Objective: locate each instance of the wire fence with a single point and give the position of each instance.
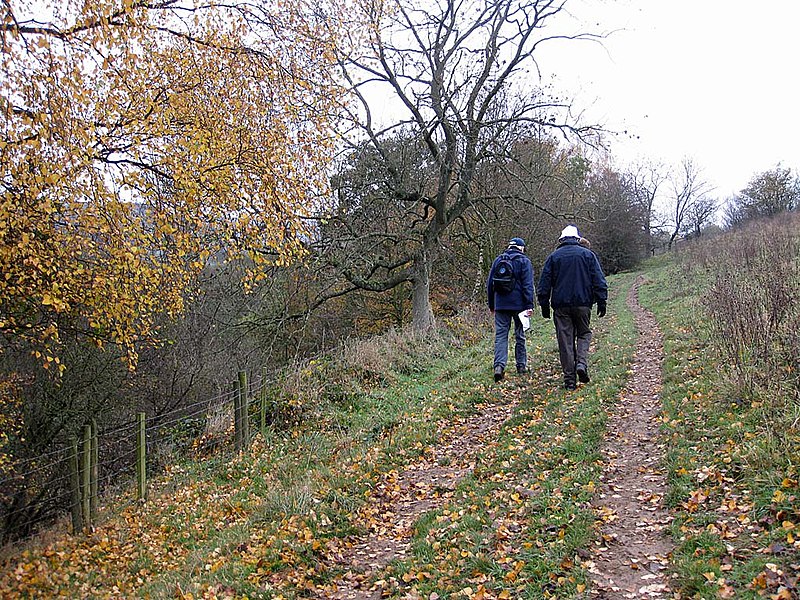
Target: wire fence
(38, 491)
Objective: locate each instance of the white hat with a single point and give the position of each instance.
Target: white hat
(570, 231)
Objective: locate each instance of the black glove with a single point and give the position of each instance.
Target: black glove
(546, 311)
(601, 309)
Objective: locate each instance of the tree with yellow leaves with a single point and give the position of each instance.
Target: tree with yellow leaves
(141, 139)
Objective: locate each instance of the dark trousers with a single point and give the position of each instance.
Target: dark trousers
(574, 335)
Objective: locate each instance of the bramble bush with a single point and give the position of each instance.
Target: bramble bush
(753, 277)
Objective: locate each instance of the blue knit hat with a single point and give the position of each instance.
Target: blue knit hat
(516, 242)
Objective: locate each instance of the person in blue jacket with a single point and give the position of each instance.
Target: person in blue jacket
(506, 306)
(571, 282)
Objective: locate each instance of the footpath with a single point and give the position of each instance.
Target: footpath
(629, 558)
(402, 498)
(633, 555)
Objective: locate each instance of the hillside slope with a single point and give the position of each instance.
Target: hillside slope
(271, 522)
(477, 490)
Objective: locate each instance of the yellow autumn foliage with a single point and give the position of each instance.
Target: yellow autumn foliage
(140, 141)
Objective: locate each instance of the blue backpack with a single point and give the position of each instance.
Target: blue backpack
(503, 276)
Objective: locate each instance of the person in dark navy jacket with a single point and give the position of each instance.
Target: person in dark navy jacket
(571, 282)
(507, 306)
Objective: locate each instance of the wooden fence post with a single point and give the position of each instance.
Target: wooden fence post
(94, 485)
(263, 397)
(75, 484)
(86, 475)
(244, 403)
(237, 417)
(141, 459)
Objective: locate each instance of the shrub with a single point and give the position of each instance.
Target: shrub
(752, 301)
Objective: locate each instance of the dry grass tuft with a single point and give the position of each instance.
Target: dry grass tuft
(753, 304)
(307, 388)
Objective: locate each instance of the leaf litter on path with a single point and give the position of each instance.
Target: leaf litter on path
(403, 497)
(631, 556)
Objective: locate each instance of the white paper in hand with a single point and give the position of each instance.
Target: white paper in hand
(526, 321)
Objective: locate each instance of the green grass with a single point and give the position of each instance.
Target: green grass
(518, 524)
(732, 483)
(261, 524)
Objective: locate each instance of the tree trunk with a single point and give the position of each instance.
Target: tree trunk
(422, 318)
(672, 240)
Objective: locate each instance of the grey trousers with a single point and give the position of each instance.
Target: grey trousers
(574, 336)
(502, 327)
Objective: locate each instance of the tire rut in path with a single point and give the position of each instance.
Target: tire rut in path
(632, 557)
(422, 487)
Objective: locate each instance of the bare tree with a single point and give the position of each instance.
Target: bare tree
(690, 194)
(458, 76)
(700, 214)
(645, 182)
(734, 213)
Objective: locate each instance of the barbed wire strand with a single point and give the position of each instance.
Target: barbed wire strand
(255, 386)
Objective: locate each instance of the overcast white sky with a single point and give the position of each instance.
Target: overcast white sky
(712, 80)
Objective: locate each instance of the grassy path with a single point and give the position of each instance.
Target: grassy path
(632, 557)
(509, 515)
(520, 524)
(393, 508)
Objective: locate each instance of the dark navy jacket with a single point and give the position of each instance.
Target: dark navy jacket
(572, 276)
(521, 297)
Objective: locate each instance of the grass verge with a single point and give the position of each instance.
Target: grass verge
(733, 487)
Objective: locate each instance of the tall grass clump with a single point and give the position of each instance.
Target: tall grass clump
(320, 388)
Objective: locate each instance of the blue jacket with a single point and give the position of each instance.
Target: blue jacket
(521, 297)
(572, 276)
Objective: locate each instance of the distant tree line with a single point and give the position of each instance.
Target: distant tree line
(767, 194)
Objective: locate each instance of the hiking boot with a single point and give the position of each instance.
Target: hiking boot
(583, 373)
(570, 386)
(523, 370)
(498, 374)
